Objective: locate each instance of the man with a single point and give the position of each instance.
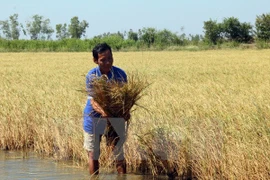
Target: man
(103, 57)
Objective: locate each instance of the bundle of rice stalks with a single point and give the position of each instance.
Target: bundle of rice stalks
(117, 98)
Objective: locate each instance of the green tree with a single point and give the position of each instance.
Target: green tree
(195, 39)
(148, 36)
(213, 31)
(122, 35)
(39, 28)
(5, 27)
(10, 27)
(46, 30)
(61, 31)
(15, 30)
(231, 28)
(234, 30)
(182, 39)
(246, 32)
(76, 28)
(165, 38)
(140, 34)
(262, 25)
(132, 35)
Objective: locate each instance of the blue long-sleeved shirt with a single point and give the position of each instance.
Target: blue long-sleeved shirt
(89, 113)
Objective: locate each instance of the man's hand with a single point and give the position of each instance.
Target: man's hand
(98, 108)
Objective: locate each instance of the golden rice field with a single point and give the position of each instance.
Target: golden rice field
(207, 111)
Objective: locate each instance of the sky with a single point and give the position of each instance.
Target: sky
(178, 16)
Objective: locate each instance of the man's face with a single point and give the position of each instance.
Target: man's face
(105, 61)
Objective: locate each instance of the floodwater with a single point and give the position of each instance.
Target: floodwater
(24, 166)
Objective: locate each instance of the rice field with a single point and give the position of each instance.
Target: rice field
(206, 112)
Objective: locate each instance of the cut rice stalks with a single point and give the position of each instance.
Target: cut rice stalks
(117, 98)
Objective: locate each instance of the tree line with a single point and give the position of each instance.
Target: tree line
(39, 28)
(69, 36)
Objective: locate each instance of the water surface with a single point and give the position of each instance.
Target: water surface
(21, 165)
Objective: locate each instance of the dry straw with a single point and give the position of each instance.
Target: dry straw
(118, 98)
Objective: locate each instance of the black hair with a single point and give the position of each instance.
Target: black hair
(99, 48)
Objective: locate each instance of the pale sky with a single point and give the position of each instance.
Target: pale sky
(123, 15)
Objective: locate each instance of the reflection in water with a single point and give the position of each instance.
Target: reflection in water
(19, 165)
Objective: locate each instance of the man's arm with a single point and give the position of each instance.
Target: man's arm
(98, 108)
(89, 86)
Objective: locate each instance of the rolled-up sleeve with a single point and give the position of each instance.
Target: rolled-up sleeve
(89, 85)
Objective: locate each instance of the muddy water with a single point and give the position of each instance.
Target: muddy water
(24, 166)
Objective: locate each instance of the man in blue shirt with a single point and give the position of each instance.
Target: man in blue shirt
(102, 56)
